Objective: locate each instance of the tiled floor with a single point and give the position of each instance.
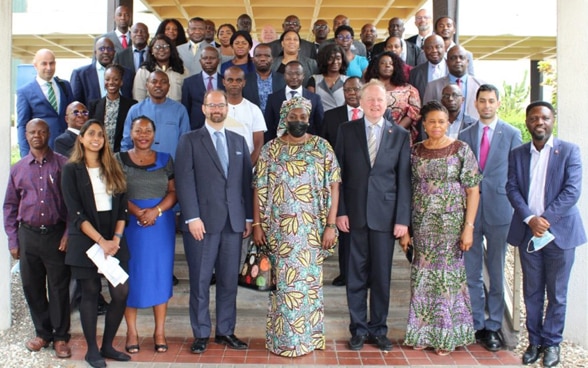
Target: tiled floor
(336, 353)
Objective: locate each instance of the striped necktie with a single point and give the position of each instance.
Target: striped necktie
(372, 147)
(51, 96)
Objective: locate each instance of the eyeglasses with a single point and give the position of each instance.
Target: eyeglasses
(80, 112)
(447, 96)
(161, 47)
(216, 106)
(351, 89)
(321, 26)
(422, 17)
(105, 48)
(344, 38)
(289, 24)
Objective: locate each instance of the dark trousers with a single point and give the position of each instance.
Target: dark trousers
(343, 254)
(45, 282)
(369, 266)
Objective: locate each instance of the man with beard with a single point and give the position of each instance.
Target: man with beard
(132, 57)
(190, 51)
(445, 27)
(368, 36)
(170, 117)
(434, 68)
(259, 85)
(87, 82)
(121, 37)
(411, 54)
(213, 182)
(452, 99)
(76, 115)
(196, 86)
(422, 20)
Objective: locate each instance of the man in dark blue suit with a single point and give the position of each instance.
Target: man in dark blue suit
(262, 59)
(35, 100)
(87, 82)
(195, 87)
(76, 115)
(544, 181)
(213, 183)
(294, 75)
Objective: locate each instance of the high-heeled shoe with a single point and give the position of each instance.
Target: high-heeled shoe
(133, 349)
(160, 348)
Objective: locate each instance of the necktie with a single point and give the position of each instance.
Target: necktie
(458, 81)
(292, 93)
(484, 148)
(141, 57)
(355, 113)
(209, 86)
(222, 152)
(123, 41)
(372, 149)
(51, 96)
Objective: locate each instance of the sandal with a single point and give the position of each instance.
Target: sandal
(442, 352)
(418, 348)
(160, 348)
(133, 349)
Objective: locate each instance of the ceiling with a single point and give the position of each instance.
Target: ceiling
(273, 12)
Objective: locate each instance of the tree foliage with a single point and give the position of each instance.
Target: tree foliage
(512, 105)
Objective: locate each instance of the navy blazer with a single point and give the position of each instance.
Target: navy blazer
(126, 58)
(32, 103)
(86, 88)
(251, 92)
(203, 190)
(65, 142)
(97, 110)
(193, 91)
(81, 206)
(563, 186)
(272, 112)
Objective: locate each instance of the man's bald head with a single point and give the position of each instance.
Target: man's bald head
(44, 63)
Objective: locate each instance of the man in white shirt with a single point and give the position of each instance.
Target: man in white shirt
(422, 20)
(120, 37)
(190, 51)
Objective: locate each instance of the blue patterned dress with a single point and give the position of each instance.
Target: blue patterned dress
(440, 313)
(294, 191)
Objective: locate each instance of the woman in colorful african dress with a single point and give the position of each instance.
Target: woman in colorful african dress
(296, 192)
(445, 200)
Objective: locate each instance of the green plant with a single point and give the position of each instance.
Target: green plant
(512, 105)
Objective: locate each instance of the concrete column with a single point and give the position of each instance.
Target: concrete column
(5, 80)
(536, 80)
(572, 94)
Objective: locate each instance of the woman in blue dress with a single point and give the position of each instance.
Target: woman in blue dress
(151, 231)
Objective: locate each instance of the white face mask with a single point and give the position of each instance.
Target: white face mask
(537, 243)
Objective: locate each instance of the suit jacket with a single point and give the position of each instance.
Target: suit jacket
(86, 88)
(309, 67)
(419, 78)
(202, 188)
(65, 142)
(126, 58)
(193, 91)
(357, 47)
(493, 201)
(331, 122)
(114, 38)
(97, 109)
(81, 206)
(306, 49)
(251, 92)
(272, 112)
(434, 89)
(380, 196)
(562, 190)
(32, 103)
(414, 55)
(191, 61)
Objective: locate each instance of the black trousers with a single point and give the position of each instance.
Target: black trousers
(45, 282)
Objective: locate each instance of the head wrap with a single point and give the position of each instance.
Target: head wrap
(296, 102)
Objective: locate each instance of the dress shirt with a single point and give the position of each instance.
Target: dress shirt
(205, 80)
(403, 53)
(537, 176)
(454, 127)
(74, 130)
(289, 95)
(378, 131)
(350, 111)
(137, 56)
(100, 71)
(463, 85)
(119, 34)
(33, 194)
(45, 89)
(481, 126)
(436, 71)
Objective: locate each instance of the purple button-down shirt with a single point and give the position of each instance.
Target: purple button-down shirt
(33, 194)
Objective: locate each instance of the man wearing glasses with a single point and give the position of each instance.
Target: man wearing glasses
(76, 115)
(422, 20)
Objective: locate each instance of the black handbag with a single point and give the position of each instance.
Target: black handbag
(257, 272)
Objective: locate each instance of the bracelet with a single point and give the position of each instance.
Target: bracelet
(98, 241)
(160, 213)
(469, 224)
(118, 235)
(256, 224)
(332, 226)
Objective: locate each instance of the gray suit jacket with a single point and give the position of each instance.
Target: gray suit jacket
(419, 77)
(493, 201)
(191, 61)
(434, 89)
(114, 38)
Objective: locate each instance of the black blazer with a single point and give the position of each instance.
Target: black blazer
(65, 142)
(251, 92)
(81, 206)
(334, 118)
(193, 92)
(414, 55)
(97, 110)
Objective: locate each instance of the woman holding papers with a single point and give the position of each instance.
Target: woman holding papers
(94, 190)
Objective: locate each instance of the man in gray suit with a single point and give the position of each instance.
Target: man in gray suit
(491, 140)
(213, 183)
(132, 57)
(434, 68)
(190, 51)
(120, 37)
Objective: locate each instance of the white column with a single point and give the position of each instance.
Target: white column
(571, 103)
(5, 80)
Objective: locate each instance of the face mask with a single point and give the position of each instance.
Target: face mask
(537, 243)
(297, 128)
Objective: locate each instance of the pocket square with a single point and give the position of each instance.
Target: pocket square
(238, 153)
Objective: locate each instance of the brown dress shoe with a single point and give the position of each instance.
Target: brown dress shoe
(62, 350)
(36, 344)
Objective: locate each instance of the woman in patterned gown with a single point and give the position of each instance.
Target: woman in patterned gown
(445, 200)
(296, 192)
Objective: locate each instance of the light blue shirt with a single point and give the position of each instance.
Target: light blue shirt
(379, 127)
(211, 131)
(100, 71)
(205, 80)
(481, 126)
(464, 85)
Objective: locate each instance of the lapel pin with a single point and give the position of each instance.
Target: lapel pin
(556, 152)
(389, 130)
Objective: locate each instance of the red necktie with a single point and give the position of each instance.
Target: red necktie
(355, 113)
(458, 83)
(209, 86)
(484, 148)
(124, 41)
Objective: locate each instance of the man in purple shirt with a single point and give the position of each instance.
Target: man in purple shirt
(34, 220)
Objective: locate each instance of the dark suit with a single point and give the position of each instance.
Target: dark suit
(414, 55)
(32, 103)
(126, 58)
(419, 78)
(97, 110)
(86, 88)
(549, 268)
(115, 40)
(492, 222)
(251, 92)
(223, 204)
(272, 112)
(375, 199)
(435, 88)
(193, 91)
(65, 142)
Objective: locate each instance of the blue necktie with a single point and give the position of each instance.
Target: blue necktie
(222, 152)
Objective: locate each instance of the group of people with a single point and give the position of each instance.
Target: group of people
(302, 147)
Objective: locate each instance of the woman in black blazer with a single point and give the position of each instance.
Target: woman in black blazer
(114, 120)
(94, 190)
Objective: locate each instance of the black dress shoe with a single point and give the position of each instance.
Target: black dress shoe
(551, 356)
(116, 355)
(97, 362)
(339, 281)
(382, 342)
(532, 354)
(231, 341)
(199, 345)
(492, 342)
(481, 335)
(175, 280)
(356, 342)
(213, 279)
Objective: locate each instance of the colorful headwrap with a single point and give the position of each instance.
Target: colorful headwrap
(296, 102)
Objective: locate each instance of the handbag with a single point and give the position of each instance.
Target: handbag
(257, 273)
